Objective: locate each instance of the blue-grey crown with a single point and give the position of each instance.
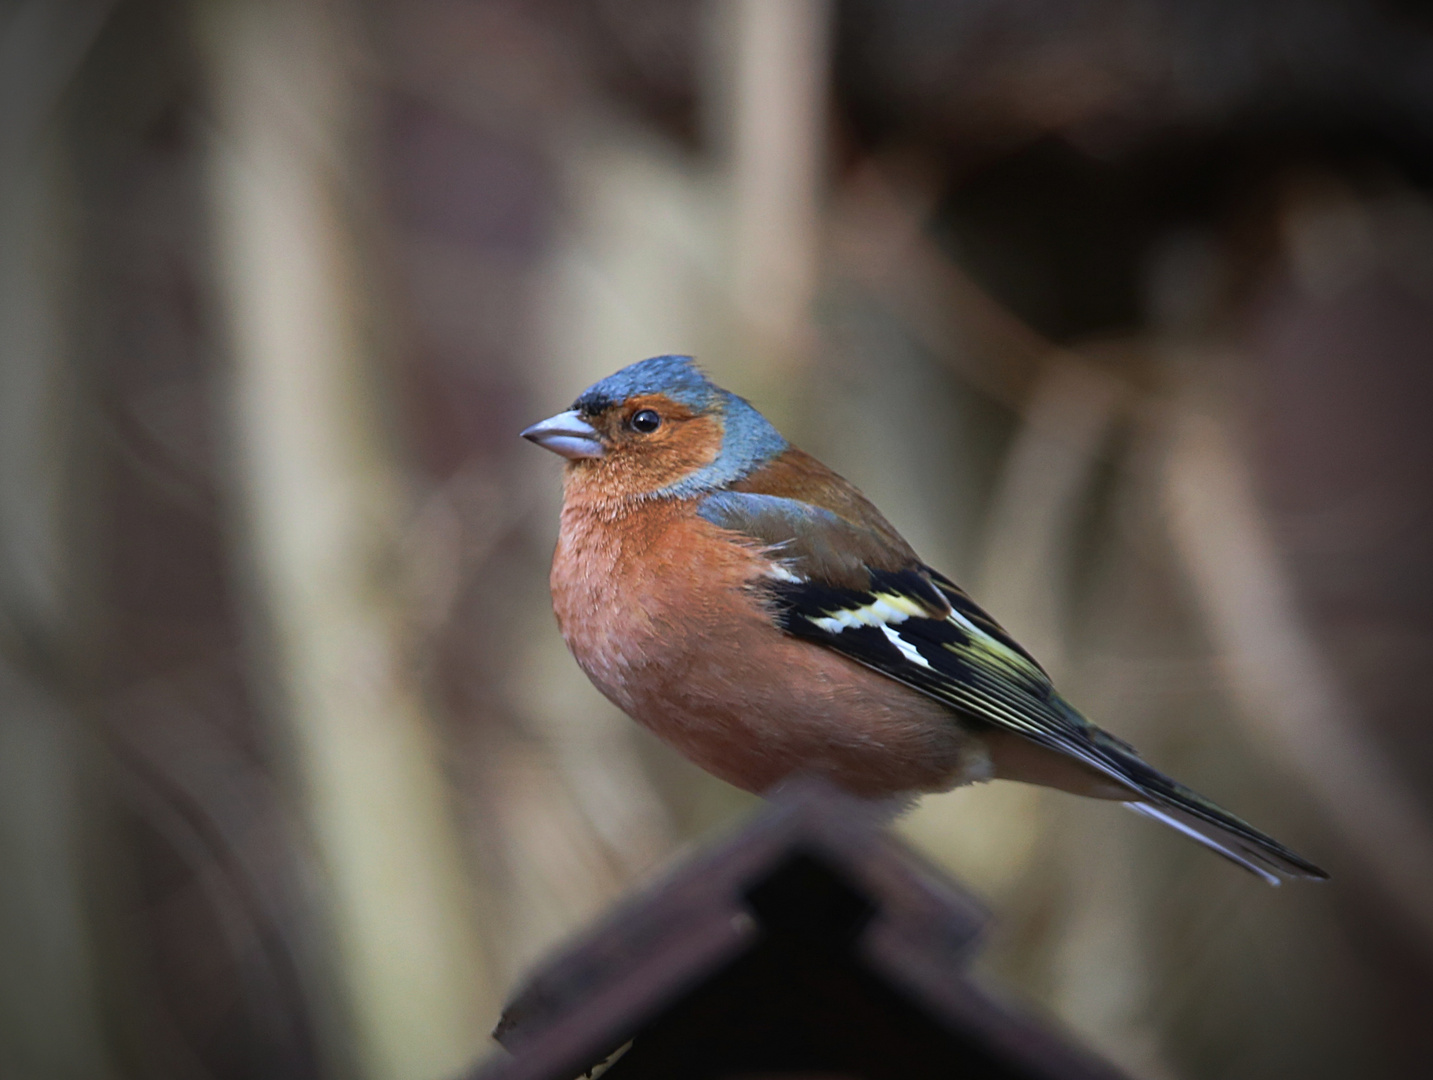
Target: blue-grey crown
(748, 439)
(676, 376)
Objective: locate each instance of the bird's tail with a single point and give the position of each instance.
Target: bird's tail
(1186, 811)
(1217, 829)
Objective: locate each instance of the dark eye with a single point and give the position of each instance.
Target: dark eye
(645, 421)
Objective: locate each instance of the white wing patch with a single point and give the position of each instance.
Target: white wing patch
(886, 609)
(906, 648)
(779, 572)
(885, 612)
(890, 609)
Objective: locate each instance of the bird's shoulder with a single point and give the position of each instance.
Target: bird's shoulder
(813, 522)
(798, 476)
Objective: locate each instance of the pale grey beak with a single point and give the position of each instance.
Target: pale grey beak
(567, 434)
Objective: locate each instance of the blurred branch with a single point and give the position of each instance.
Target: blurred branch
(320, 500)
(1290, 698)
(51, 1007)
(778, 119)
(1043, 481)
(879, 239)
(231, 876)
(42, 44)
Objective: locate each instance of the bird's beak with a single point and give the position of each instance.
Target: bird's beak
(567, 434)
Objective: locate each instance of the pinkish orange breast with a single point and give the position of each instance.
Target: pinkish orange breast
(661, 616)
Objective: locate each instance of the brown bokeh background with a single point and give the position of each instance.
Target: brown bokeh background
(1123, 312)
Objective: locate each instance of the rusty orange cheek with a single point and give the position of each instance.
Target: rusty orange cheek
(666, 456)
(694, 442)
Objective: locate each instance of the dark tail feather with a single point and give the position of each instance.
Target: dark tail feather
(1200, 820)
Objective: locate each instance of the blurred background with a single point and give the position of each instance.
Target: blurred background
(1122, 310)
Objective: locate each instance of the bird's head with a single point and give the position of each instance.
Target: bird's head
(659, 428)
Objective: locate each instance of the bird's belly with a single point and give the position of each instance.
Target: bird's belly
(753, 706)
(806, 709)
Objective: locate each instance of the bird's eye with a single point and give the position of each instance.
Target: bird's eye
(645, 421)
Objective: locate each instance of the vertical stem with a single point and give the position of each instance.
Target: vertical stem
(1043, 480)
(50, 998)
(779, 111)
(319, 497)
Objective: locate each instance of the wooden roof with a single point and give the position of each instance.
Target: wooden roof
(811, 942)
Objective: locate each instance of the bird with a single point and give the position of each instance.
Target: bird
(754, 610)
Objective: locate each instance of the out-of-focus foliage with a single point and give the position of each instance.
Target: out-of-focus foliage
(1122, 312)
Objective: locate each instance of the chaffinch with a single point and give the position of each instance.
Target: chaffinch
(753, 609)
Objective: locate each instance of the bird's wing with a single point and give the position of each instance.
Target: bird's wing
(837, 585)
